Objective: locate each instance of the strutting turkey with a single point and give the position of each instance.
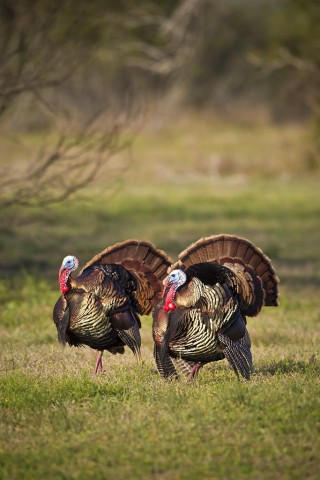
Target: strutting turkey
(217, 282)
(100, 307)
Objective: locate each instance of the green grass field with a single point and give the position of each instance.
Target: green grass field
(60, 422)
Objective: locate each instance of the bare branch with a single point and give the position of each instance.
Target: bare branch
(32, 62)
(283, 60)
(71, 164)
(177, 38)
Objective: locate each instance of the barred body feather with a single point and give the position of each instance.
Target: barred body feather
(100, 308)
(209, 292)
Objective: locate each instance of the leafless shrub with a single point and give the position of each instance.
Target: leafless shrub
(42, 54)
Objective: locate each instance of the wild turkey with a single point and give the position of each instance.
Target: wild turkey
(100, 307)
(216, 283)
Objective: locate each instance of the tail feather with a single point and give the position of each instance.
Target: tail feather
(142, 251)
(145, 262)
(256, 278)
(242, 249)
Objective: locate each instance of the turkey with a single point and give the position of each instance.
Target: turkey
(217, 282)
(100, 307)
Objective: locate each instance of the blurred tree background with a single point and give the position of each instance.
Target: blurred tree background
(215, 53)
(80, 80)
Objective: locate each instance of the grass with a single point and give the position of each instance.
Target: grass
(60, 422)
(134, 425)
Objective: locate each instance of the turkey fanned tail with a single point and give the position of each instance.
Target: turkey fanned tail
(238, 354)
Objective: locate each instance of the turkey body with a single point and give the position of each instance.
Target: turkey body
(97, 307)
(217, 282)
(100, 308)
(90, 323)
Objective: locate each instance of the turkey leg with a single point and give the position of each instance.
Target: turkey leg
(195, 370)
(98, 367)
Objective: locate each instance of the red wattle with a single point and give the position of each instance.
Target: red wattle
(63, 279)
(170, 306)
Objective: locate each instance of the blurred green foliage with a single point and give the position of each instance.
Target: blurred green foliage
(245, 52)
